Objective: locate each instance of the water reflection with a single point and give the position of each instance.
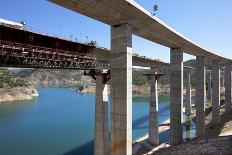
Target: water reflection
(189, 132)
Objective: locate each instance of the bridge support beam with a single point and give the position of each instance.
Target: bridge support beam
(188, 94)
(153, 114)
(216, 93)
(209, 91)
(176, 95)
(101, 142)
(228, 88)
(121, 90)
(200, 96)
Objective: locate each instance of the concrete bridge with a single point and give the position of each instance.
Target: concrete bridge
(126, 17)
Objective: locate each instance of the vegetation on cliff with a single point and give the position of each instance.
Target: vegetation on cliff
(9, 79)
(12, 87)
(140, 79)
(55, 77)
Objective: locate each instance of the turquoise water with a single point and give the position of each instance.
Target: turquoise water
(61, 121)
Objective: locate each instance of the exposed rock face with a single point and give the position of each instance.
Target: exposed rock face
(144, 90)
(13, 88)
(51, 77)
(18, 94)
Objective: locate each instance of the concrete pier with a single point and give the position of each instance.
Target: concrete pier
(153, 114)
(209, 91)
(188, 93)
(216, 93)
(176, 95)
(101, 142)
(222, 79)
(228, 88)
(200, 96)
(121, 90)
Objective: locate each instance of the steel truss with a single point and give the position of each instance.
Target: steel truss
(29, 56)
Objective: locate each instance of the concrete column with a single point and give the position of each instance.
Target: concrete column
(153, 114)
(222, 79)
(121, 90)
(216, 93)
(209, 92)
(188, 94)
(176, 95)
(228, 88)
(101, 142)
(200, 96)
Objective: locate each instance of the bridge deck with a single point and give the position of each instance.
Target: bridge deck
(114, 12)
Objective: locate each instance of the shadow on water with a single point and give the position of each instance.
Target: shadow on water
(164, 136)
(85, 149)
(145, 118)
(88, 148)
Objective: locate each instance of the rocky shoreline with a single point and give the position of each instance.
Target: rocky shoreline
(18, 94)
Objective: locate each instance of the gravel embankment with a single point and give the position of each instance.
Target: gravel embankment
(218, 140)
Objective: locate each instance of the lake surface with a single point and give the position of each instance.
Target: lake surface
(61, 121)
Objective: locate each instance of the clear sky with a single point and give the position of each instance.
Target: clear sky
(207, 22)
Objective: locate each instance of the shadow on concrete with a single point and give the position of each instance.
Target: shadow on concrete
(165, 136)
(214, 130)
(85, 149)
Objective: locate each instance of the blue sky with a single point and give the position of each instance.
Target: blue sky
(207, 22)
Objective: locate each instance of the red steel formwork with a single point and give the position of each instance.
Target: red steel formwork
(22, 48)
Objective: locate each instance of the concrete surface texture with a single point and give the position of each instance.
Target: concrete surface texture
(176, 95)
(216, 93)
(153, 114)
(101, 142)
(188, 93)
(228, 87)
(200, 96)
(121, 90)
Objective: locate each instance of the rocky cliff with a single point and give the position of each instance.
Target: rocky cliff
(14, 88)
(18, 94)
(51, 77)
